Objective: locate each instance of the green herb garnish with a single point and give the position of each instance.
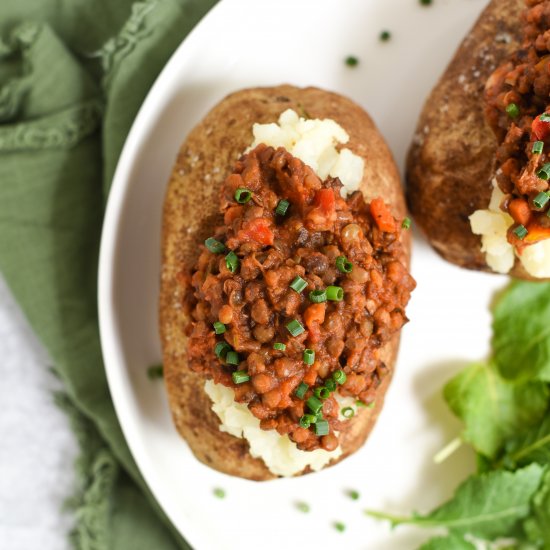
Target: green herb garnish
(232, 262)
(298, 284)
(219, 328)
(295, 327)
(303, 507)
(335, 293)
(343, 265)
(309, 356)
(301, 390)
(242, 195)
(155, 372)
(282, 208)
(216, 247)
(318, 296)
(339, 526)
(240, 377)
(512, 110)
(219, 493)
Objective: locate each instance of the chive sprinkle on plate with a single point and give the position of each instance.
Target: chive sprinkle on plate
(155, 372)
(303, 507)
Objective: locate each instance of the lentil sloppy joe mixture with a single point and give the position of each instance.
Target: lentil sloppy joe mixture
(293, 297)
(518, 110)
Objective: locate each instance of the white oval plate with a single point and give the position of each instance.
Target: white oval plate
(249, 43)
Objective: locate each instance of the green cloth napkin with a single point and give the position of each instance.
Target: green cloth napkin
(73, 74)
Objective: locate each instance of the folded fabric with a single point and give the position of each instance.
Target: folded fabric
(73, 74)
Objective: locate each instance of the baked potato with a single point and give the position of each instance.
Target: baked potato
(246, 241)
(475, 179)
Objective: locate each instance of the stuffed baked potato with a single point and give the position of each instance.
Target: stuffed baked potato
(281, 301)
(478, 169)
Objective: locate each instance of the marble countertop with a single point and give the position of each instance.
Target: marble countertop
(37, 448)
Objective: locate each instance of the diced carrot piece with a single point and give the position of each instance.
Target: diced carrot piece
(311, 375)
(520, 211)
(382, 216)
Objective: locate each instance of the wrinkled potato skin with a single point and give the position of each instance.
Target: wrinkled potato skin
(191, 212)
(450, 165)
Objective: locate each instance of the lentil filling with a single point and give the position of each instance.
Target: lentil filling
(517, 108)
(255, 325)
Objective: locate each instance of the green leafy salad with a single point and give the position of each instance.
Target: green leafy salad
(504, 404)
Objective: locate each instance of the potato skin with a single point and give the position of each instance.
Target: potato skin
(190, 214)
(450, 165)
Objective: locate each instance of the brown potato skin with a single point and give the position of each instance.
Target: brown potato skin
(450, 165)
(190, 214)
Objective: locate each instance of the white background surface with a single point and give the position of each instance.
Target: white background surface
(37, 448)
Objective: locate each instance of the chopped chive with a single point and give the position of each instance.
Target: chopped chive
(338, 525)
(335, 293)
(371, 405)
(352, 61)
(544, 172)
(545, 117)
(406, 223)
(339, 376)
(219, 328)
(298, 284)
(321, 393)
(513, 110)
(216, 247)
(321, 427)
(240, 376)
(520, 232)
(232, 262)
(538, 147)
(314, 404)
(330, 384)
(353, 494)
(309, 357)
(307, 420)
(279, 346)
(347, 412)
(343, 265)
(385, 36)
(243, 195)
(541, 200)
(360, 403)
(318, 296)
(155, 372)
(232, 358)
(282, 208)
(219, 493)
(221, 349)
(295, 327)
(301, 390)
(303, 507)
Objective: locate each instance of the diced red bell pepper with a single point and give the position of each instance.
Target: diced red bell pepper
(324, 199)
(258, 230)
(540, 128)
